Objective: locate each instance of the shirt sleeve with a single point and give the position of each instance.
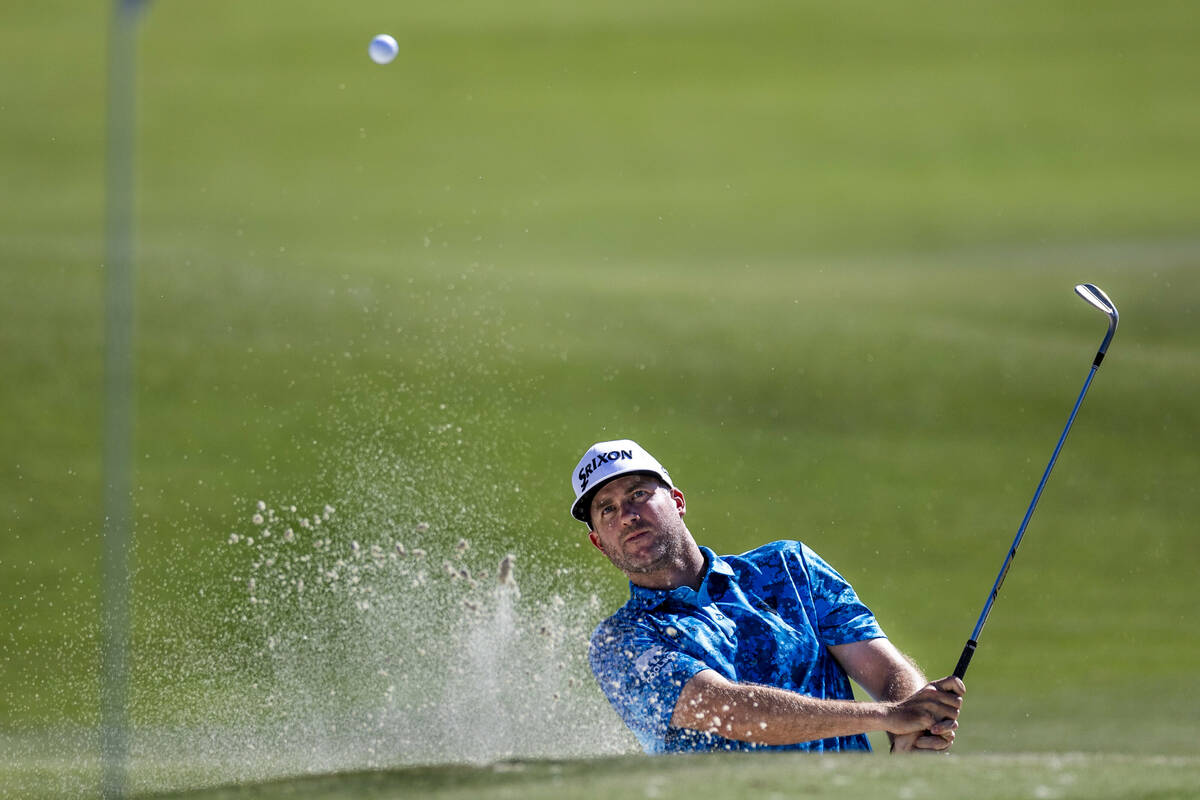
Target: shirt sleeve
(642, 675)
(842, 618)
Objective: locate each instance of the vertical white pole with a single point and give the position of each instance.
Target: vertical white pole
(118, 395)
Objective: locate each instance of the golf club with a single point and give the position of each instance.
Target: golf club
(1096, 297)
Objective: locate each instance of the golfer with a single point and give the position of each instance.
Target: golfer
(739, 652)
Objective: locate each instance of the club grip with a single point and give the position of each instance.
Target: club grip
(964, 660)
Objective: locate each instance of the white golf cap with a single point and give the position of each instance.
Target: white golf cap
(604, 461)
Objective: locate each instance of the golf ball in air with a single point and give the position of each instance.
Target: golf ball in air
(383, 49)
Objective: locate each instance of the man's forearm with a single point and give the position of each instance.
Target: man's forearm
(904, 679)
(880, 668)
(766, 715)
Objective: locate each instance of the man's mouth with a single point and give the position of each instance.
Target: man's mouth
(636, 535)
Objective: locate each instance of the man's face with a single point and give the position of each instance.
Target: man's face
(638, 523)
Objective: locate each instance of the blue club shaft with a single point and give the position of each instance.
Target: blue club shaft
(1095, 297)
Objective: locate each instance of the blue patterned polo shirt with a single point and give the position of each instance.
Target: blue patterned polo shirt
(764, 617)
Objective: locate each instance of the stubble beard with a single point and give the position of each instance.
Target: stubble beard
(668, 548)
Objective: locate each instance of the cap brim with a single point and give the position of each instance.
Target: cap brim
(581, 510)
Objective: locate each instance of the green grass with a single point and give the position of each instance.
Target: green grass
(817, 258)
(1062, 776)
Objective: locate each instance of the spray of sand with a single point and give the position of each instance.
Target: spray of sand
(409, 647)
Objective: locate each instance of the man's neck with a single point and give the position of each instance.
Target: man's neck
(687, 571)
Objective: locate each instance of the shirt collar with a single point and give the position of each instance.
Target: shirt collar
(649, 599)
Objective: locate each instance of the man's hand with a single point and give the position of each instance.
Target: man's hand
(921, 742)
(927, 720)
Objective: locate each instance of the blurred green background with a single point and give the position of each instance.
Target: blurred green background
(817, 257)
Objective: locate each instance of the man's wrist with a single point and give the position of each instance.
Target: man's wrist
(881, 716)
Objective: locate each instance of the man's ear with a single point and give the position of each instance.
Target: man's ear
(680, 502)
(595, 540)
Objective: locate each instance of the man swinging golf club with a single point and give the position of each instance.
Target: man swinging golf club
(744, 652)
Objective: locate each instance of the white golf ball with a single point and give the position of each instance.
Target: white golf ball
(383, 49)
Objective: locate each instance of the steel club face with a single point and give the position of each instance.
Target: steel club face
(1096, 296)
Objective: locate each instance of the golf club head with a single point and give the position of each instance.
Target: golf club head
(1095, 296)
